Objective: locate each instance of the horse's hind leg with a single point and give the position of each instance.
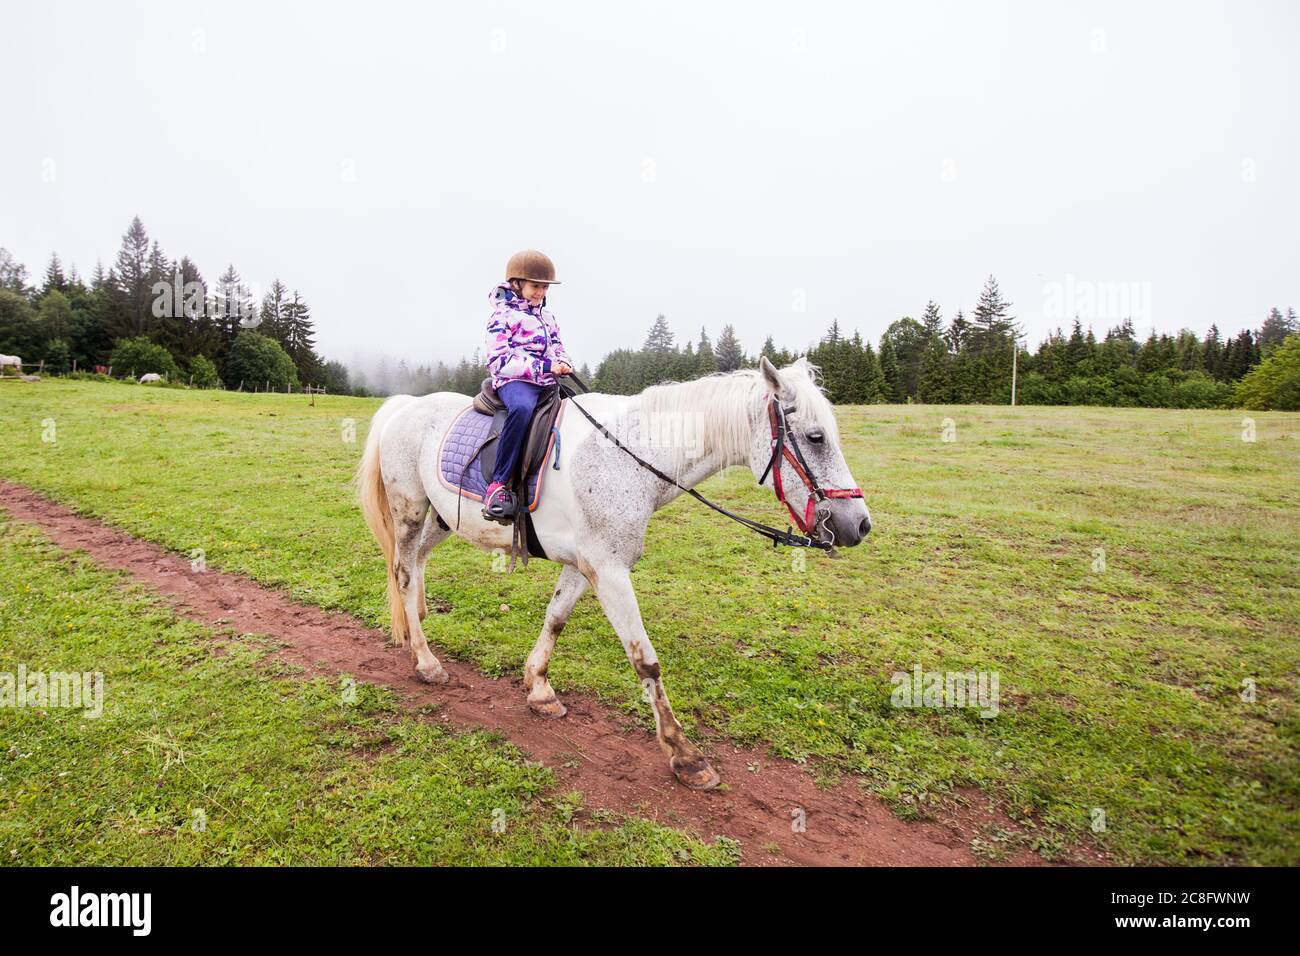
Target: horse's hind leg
(541, 698)
(411, 548)
(434, 533)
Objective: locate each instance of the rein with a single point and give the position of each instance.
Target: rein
(782, 441)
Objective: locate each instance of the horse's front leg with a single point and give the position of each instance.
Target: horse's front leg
(614, 589)
(541, 697)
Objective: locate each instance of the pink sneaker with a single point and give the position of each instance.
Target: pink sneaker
(498, 503)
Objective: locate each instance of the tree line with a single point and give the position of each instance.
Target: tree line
(970, 360)
(149, 313)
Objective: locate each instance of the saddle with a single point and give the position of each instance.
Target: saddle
(527, 476)
(487, 402)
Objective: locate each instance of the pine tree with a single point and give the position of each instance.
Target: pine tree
(933, 386)
(1124, 343)
(932, 320)
(856, 387)
(873, 388)
(893, 380)
(958, 335)
(707, 361)
(1187, 350)
(158, 269)
(272, 315)
(992, 327)
(1076, 351)
(54, 278)
(1229, 362)
(1275, 329)
(300, 342)
(231, 305)
(660, 339)
(730, 355)
(1247, 352)
(1212, 352)
(1052, 360)
(131, 274)
(175, 306)
(832, 358)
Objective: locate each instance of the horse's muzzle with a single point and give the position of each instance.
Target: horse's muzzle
(843, 522)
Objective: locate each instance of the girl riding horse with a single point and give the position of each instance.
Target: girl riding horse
(524, 355)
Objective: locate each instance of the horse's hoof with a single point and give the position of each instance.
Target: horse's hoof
(550, 709)
(433, 675)
(696, 774)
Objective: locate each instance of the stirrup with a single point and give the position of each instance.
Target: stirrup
(506, 514)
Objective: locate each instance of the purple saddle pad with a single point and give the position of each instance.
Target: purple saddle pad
(460, 443)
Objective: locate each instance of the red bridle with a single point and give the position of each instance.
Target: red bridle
(783, 441)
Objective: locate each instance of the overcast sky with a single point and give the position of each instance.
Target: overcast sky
(766, 165)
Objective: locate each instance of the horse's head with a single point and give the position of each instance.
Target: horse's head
(809, 457)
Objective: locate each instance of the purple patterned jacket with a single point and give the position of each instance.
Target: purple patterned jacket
(523, 340)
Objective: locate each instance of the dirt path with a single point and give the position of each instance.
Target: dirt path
(592, 750)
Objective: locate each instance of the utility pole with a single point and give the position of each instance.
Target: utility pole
(1015, 355)
(1015, 359)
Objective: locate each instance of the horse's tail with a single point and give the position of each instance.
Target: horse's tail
(374, 505)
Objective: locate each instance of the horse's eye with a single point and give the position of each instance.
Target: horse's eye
(816, 437)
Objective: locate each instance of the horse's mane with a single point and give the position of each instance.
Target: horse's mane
(722, 406)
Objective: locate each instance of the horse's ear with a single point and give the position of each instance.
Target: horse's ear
(775, 384)
(802, 364)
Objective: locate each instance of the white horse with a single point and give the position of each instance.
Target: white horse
(150, 377)
(11, 360)
(595, 508)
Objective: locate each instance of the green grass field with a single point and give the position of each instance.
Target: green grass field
(1123, 571)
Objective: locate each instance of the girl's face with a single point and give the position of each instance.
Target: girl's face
(534, 292)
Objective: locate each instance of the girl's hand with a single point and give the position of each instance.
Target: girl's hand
(562, 368)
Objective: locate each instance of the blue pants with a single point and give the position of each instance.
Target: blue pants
(520, 398)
